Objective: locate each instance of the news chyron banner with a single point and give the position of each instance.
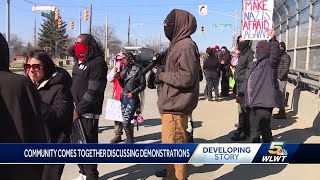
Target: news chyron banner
(232, 153)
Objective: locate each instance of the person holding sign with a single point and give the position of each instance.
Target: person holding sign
(258, 92)
(133, 84)
(116, 94)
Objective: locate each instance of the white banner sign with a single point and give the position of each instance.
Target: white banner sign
(257, 19)
(113, 110)
(43, 8)
(224, 153)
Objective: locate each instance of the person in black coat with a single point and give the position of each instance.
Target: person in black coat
(258, 92)
(88, 85)
(20, 112)
(225, 61)
(282, 76)
(211, 72)
(53, 84)
(246, 56)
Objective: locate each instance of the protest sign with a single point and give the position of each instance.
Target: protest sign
(257, 19)
(113, 110)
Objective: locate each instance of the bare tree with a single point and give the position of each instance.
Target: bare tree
(17, 44)
(114, 44)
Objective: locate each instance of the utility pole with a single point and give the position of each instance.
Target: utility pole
(129, 32)
(136, 42)
(8, 22)
(80, 23)
(90, 19)
(106, 48)
(35, 34)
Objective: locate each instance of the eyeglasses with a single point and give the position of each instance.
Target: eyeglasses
(35, 67)
(168, 22)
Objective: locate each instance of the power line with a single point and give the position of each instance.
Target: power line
(28, 1)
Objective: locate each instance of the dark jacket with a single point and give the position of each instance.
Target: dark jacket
(211, 67)
(244, 59)
(259, 88)
(88, 85)
(130, 80)
(58, 116)
(283, 67)
(20, 116)
(226, 57)
(179, 92)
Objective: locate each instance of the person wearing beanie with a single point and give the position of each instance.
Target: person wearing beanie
(133, 84)
(282, 76)
(258, 92)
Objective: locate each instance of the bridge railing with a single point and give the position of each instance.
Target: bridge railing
(307, 80)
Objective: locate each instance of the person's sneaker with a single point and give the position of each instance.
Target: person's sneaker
(161, 173)
(80, 177)
(116, 139)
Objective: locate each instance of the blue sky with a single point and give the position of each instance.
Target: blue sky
(146, 17)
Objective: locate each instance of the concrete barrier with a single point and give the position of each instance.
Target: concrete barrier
(305, 105)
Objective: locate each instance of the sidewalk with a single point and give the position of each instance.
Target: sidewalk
(214, 123)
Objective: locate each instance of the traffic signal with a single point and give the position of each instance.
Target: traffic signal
(202, 29)
(56, 14)
(59, 22)
(71, 24)
(86, 14)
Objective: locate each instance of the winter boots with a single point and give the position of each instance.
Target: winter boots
(280, 115)
(116, 139)
(129, 133)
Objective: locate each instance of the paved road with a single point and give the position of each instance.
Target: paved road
(214, 123)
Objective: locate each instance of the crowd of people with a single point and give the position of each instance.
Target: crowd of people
(49, 106)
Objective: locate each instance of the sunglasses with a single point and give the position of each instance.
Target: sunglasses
(168, 22)
(124, 58)
(35, 67)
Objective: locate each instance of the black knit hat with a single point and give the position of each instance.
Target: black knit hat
(283, 45)
(130, 56)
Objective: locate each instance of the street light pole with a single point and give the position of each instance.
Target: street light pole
(8, 22)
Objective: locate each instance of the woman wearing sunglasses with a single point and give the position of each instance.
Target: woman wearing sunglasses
(53, 84)
(133, 84)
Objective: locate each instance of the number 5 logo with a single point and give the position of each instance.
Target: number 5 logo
(276, 148)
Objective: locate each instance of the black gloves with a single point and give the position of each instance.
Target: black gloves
(239, 98)
(159, 70)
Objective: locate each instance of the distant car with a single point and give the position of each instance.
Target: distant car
(143, 55)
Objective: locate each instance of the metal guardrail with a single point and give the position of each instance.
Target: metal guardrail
(309, 79)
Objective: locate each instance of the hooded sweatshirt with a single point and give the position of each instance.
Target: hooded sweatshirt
(20, 116)
(180, 89)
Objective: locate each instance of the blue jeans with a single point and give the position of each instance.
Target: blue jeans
(128, 108)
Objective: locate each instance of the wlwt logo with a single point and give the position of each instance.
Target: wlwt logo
(276, 153)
